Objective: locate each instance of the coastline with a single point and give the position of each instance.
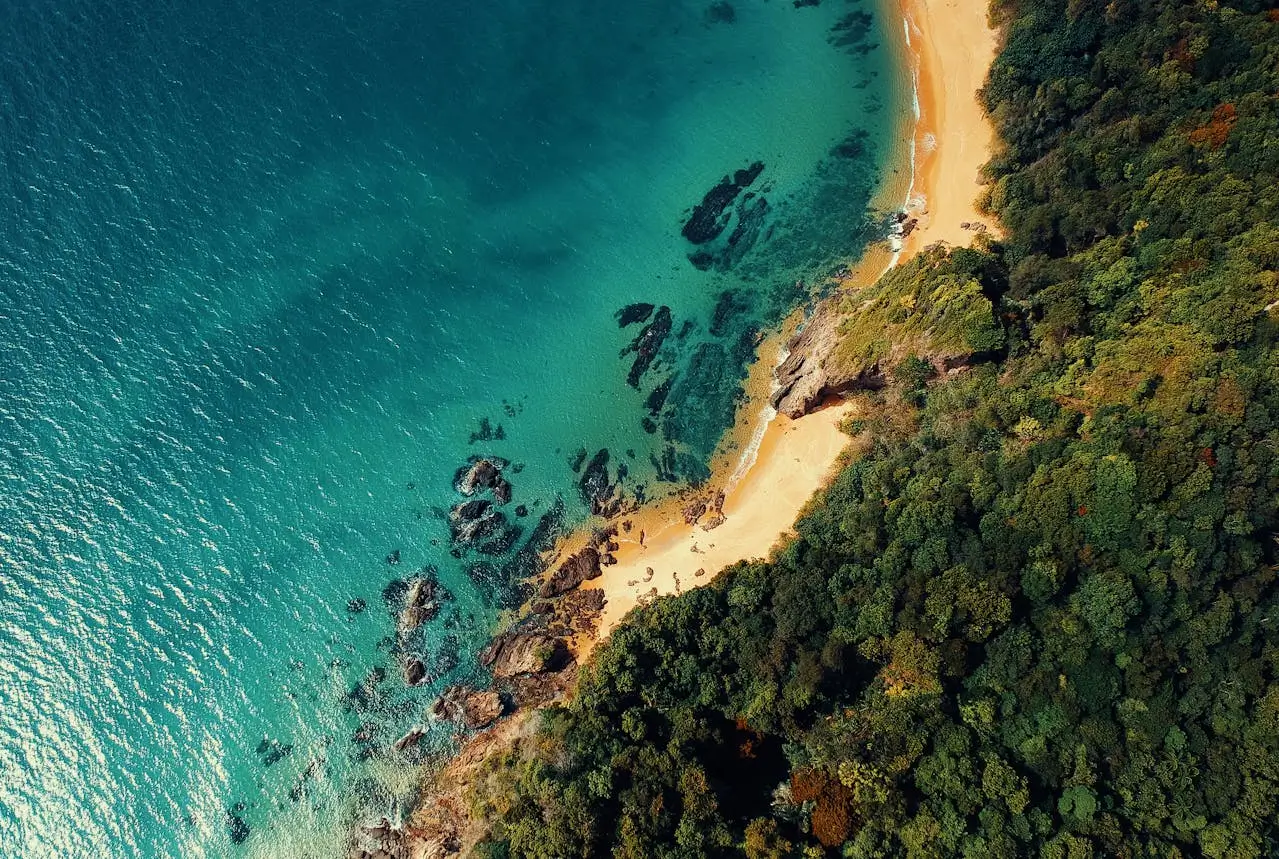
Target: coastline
(950, 140)
(769, 466)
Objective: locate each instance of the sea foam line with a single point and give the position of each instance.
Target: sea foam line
(750, 455)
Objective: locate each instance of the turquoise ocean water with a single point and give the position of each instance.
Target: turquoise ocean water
(265, 269)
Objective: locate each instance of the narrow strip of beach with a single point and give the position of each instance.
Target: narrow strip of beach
(774, 465)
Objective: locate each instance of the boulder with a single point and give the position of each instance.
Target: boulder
(596, 487)
(420, 605)
(579, 567)
(474, 520)
(414, 670)
(525, 651)
(481, 474)
(472, 708)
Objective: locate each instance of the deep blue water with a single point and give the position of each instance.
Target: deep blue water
(265, 268)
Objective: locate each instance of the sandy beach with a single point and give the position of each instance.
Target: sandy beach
(950, 45)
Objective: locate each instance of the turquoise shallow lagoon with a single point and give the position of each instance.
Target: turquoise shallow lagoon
(266, 269)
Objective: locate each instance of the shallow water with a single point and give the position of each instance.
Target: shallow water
(266, 268)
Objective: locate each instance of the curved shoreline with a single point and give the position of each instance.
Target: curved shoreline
(950, 139)
(769, 467)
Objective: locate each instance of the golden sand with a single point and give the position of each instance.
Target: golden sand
(951, 46)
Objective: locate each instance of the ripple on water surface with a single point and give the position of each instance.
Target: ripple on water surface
(272, 273)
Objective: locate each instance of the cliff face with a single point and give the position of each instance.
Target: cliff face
(933, 309)
(810, 372)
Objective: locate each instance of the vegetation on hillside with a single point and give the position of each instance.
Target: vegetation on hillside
(1039, 617)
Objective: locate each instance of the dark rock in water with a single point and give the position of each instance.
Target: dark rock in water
(852, 33)
(393, 593)
(356, 605)
(853, 146)
(487, 432)
(702, 260)
(393, 558)
(647, 345)
(632, 313)
(521, 511)
(278, 753)
(414, 671)
(579, 457)
(750, 225)
(412, 738)
(580, 567)
(800, 4)
(709, 219)
(480, 474)
(502, 541)
(483, 573)
(471, 708)
(657, 397)
(525, 651)
(236, 827)
(730, 305)
(299, 789)
(472, 521)
(721, 13)
(596, 487)
(528, 562)
(747, 175)
(484, 473)
(420, 605)
(649, 425)
(470, 511)
(365, 695)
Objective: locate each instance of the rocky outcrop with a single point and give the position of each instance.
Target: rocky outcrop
(409, 740)
(579, 567)
(647, 344)
(471, 708)
(483, 474)
(597, 488)
(382, 840)
(471, 521)
(632, 313)
(809, 374)
(414, 670)
(525, 651)
(580, 610)
(421, 605)
(709, 216)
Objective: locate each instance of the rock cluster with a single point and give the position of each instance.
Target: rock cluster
(580, 567)
(471, 708)
(647, 344)
(709, 217)
(525, 650)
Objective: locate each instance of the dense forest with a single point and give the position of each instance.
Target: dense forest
(1038, 615)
